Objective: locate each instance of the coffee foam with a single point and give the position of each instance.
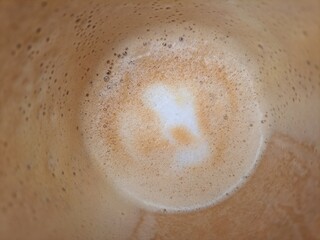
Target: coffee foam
(176, 130)
(178, 123)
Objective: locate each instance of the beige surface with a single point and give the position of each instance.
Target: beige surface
(52, 57)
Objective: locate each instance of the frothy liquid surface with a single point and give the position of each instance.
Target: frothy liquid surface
(176, 126)
(175, 129)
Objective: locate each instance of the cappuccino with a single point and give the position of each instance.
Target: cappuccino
(175, 128)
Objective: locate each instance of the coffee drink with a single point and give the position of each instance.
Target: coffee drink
(159, 120)
(175, 127)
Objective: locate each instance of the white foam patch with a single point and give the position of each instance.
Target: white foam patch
(192, 155)
(175, 108)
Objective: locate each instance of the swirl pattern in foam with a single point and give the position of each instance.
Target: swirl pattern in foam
(175, 130)
(178, 124)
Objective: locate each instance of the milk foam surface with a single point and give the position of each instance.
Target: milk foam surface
(182, 129)
(179, 124)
